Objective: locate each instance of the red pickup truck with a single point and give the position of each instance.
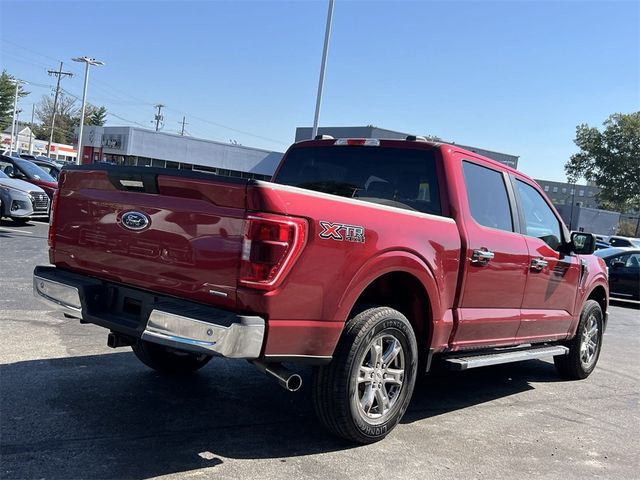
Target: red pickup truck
(367, 258)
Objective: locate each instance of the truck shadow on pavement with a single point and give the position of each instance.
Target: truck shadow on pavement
(107, 416)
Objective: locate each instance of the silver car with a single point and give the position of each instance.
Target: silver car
(22, 201)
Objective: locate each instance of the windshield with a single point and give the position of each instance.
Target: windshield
(398, 177)
(33, 171)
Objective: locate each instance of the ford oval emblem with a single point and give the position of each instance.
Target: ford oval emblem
(135, 220)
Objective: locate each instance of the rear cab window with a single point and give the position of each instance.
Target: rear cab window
(397, 177)
(488, 198)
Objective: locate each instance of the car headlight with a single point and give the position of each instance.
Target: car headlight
(15, 191)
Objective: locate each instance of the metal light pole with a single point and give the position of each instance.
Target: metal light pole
(573, 201)
(15, 112)
(87, 61)
(325, 51)
(33, 113)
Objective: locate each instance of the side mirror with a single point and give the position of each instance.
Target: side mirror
(583, 243)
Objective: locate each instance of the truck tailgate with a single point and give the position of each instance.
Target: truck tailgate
(176, 232)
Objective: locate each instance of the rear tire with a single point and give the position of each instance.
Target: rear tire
(584, 348)
(365, 390)
(167, 360)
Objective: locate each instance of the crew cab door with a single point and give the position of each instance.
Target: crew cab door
(553, 277)
(496, 258)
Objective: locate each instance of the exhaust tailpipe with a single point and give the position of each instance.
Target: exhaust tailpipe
(285, 378)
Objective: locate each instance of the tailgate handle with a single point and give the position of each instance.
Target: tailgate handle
(134, 182)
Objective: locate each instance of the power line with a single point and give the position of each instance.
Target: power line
(145, 102)
(126, 120)
(29, 50)
(230, 128)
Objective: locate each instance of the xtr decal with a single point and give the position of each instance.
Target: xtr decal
(341, 231)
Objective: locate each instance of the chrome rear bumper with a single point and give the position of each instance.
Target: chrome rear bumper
(214, 332)
(240, 340)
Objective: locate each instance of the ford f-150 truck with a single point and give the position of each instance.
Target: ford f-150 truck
(369, 259)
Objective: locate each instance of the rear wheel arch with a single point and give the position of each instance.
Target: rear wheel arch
(399, 280)
(403, 292)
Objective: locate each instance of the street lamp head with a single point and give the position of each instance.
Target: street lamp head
(89, 60)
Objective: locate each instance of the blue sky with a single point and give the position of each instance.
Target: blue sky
(512, 76)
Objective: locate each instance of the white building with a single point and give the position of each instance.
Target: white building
(28, 143)
(139, 146)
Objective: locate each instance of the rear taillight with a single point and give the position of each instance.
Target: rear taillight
(52, 219)
(271, 245)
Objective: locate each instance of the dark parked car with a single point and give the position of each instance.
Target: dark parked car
(624, 271)
(15, 167)
(51, 167)
(624, 242)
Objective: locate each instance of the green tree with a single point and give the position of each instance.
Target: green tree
(67, 114)
(95, 115)
(67, 118)
(7, 96)
(610, 158)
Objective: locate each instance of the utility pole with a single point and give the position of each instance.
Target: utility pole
(159, 118)
(183, 124)
(33, 113)
(60, 74)
(325, 51)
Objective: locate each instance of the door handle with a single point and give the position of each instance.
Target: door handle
(538, 264)
(481, 257)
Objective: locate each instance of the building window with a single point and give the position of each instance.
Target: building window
(581, 193)
(555, 189)
(590, 193)
(158, 163)
(561, 201)
(573, 191)
(564, 190)
(546, 188)
(205, 169)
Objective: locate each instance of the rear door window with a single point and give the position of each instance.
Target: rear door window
(398, 177)
(488, 198)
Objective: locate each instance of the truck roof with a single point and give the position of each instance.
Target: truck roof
(419, 143)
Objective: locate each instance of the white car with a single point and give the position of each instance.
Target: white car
(22, 201)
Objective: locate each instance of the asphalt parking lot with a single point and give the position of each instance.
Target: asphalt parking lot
(73, 408)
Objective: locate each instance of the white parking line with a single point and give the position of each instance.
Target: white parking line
(16, 231)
